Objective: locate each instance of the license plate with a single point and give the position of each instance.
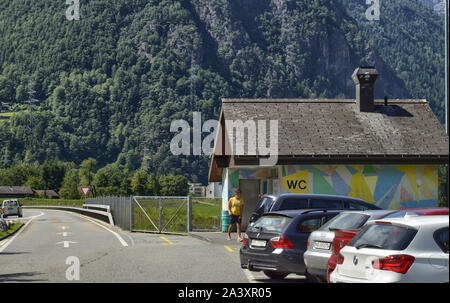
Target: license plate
(322, 245)
(258, 243)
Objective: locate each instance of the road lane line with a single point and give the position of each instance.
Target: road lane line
(122, 241)
(167, 240)
(228, 248)
(10, 240)
(66, 243)
(64, 233)
(7, 243)
(250, 277)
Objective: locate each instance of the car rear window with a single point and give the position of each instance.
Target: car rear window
(384, 236)
(271, 223)
(357, 206)
(291, 203)
(309, 225)
(326, 203)
(346, 221)
(10, 203)
(263, 205)
(441, 238)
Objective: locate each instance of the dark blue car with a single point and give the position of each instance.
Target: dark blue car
(276, 242)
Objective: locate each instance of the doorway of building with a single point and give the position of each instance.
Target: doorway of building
(250, 190)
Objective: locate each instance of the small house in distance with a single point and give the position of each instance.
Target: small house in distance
(15, 192)
(385, 152)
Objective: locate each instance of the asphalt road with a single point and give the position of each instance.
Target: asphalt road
(50, 238)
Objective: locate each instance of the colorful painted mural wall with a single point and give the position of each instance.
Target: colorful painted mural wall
(388, 186)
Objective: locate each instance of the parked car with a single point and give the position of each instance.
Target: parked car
(275, 244)
(11, 208)
(320, 241)
(343, 237)
(276, 202)
(405, 249)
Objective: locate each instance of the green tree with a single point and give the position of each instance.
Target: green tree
(70, 185)
(153, 185)
(35, 183)
(139, 183)
(174, 185)
(52, 173)
(87, 171)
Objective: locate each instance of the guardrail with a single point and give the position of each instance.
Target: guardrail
(106, 208)
(97, 214)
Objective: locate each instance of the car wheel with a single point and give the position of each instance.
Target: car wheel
(275, 275)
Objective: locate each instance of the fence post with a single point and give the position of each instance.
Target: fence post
(131, 213)
(189, 214)
(161, 215)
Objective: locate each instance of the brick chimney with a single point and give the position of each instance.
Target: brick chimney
(364, 78)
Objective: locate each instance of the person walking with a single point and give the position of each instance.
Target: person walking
(235, 210)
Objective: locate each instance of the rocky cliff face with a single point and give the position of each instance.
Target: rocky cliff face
(290, 45)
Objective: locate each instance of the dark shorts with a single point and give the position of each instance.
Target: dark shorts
(235, 219)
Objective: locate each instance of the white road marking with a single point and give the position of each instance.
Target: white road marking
(64, 233)
(66, 243)
(122, 241)
(10, 240)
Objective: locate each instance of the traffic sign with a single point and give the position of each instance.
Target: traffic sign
(85, 190)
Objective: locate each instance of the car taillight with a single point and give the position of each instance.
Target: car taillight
(340, 259)
(331, 265)
(395, 263)
(281, 242)
(245, 240)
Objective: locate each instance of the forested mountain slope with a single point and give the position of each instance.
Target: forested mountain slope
(110, 84)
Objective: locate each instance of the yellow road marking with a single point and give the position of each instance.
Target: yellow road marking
(228, 248)
(167, 240)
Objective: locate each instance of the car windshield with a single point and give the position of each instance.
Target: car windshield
(10, 203)
(383, 236)
(272, 223)
(346, 221)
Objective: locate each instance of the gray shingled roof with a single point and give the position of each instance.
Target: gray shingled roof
(16, 190)
(323, 127)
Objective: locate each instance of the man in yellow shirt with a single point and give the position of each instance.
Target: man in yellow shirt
(235, 210)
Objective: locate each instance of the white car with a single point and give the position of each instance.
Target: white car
(11, 208)
(409, 249)
(320, 242)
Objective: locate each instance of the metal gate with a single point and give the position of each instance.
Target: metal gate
(158, 214)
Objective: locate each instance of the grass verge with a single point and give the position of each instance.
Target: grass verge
(12, 229)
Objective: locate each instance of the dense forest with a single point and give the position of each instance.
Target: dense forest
(112, 179)
(108, 86)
